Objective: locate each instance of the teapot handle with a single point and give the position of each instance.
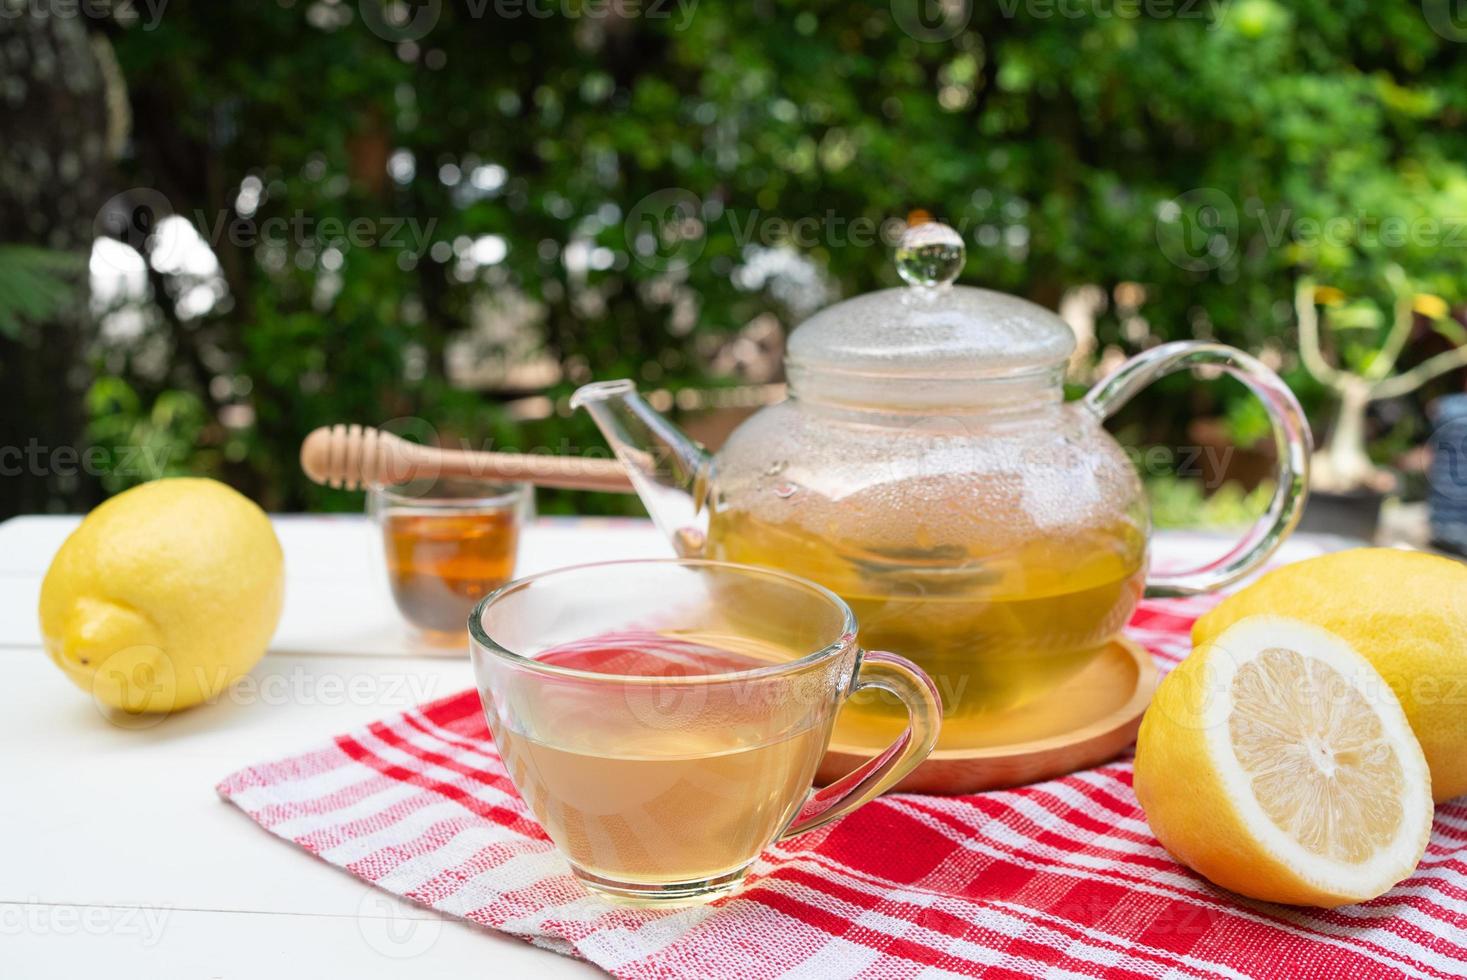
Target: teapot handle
(1290, 434)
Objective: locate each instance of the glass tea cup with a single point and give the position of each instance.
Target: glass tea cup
(663, 718)
(446, 544)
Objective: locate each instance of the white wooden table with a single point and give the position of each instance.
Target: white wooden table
(117, 858)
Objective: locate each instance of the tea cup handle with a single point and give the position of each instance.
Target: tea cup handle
(901, 677)
(1291, 438)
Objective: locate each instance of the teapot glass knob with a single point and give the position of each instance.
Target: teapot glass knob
(930, 254)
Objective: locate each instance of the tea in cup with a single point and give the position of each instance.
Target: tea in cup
(663, 719)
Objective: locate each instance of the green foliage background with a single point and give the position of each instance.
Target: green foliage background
(1098, 148)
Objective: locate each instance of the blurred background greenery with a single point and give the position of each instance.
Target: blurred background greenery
(226, 224)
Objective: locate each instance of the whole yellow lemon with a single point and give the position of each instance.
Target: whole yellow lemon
(164, 595)
(1405, 612)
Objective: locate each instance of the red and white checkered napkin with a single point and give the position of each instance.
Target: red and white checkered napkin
(1057, 879)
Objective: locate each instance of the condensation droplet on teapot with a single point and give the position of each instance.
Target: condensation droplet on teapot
(930, 255)
(786, 490)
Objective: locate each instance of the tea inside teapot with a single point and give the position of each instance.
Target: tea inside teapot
(990, 637)
(989, 551)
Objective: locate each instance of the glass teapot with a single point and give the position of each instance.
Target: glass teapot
(927, 468)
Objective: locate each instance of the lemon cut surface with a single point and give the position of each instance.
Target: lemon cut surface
(1276, 762)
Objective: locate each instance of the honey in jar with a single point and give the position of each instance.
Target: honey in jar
(448, 548)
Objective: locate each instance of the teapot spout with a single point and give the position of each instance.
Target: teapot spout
(671, 473)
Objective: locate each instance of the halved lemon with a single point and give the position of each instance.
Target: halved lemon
(1276, 762)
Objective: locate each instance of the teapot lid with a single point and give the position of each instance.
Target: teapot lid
(928, 330)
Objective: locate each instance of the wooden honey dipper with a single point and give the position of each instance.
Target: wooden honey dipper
(352, 456)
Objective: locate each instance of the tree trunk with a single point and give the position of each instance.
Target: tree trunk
(54, 164)
(1344, 463)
